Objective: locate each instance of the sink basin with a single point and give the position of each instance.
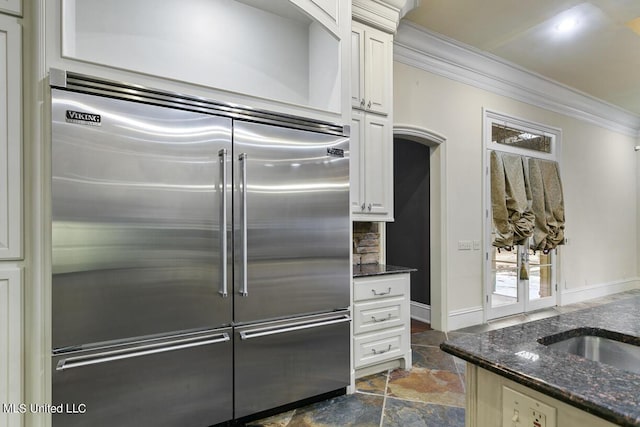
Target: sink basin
(600, 349)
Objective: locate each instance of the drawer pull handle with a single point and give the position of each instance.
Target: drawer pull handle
(381, 351)
(381, 320)
(380, 293)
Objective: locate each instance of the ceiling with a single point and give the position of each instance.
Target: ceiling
(599, 56)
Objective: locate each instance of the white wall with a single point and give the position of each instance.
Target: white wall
(598, 168)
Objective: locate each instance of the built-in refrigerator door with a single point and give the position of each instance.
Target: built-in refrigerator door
(291, 200)
(281, 362)
(184, 381)
(141, 231)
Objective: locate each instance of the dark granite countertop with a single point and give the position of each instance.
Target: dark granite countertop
(602, 390)
(364, 270)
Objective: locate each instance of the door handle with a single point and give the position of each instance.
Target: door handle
(263, 332)
(374, 351)
(384, 319)
(222, 154)
(380, 293)
(145, 350)
(244, 290)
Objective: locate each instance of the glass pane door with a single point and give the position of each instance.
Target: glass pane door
(541, 283)
(507, 285)
(521, 281)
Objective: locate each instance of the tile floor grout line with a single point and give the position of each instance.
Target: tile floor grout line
(370, 393)
(404, 399)
(425, 345)
(384, 399)
(464, 385)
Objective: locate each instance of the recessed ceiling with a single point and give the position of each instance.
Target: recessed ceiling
(599, 56)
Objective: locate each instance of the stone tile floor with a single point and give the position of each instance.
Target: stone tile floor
(431, 394)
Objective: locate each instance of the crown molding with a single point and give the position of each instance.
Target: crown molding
(382, 14)
(435, 53)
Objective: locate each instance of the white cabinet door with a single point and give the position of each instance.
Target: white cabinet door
(357, 66)
(11, 6)
(371, 157)
(11, 346)
(371, 69)
(378, 71)
(378, 154)
(10, 138)
(356, 165)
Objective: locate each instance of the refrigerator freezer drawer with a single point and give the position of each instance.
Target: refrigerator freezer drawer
(179, 382)
(278, 363)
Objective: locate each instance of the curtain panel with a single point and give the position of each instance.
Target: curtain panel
(527, 201)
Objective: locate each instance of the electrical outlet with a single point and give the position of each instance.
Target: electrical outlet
(521, 410)
(537, 418)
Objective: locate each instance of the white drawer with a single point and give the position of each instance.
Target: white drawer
(380, 287)
(379, 314)
(379, 347)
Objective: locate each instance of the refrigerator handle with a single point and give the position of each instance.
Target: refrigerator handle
(223, 223)
(145, 350)
(244, 291)
(262, 332)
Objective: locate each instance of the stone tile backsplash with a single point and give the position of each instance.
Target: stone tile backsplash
(366, 243)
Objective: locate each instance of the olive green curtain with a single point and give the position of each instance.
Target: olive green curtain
(548, 204)
(527, 201)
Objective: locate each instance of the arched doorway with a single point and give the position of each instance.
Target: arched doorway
(408, 237)
(422, 209)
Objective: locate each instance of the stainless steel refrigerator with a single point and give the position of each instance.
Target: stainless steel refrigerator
(200, 256)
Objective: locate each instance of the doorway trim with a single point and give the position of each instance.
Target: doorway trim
(523, 306)
(438, 222)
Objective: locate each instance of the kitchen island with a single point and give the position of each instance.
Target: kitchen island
(513, 375)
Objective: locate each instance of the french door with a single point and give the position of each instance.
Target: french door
(521, 280)
(517, 278)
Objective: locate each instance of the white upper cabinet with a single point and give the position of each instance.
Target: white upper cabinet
(372, 124)
(10, 138)
(13, 7)
(371, 164)
(378, 171)
(288, 53)
(371, 68)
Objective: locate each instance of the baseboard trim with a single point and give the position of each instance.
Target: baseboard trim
(465, 317)
(571, 296)
(420, 312)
